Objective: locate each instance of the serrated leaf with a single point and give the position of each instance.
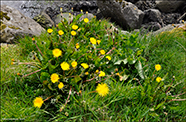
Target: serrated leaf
(140, 69)
(120, 61)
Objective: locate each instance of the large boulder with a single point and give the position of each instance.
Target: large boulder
(14, 24)
(126, 14)
(169, 5)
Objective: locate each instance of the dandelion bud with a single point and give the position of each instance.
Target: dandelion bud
(61, 9)
(86, 12)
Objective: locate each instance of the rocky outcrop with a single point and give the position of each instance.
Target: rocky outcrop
(169, 5)
(15, 24)
(126, 14)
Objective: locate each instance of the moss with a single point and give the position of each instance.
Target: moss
(13, 27)
(2, 27)
(4, 15)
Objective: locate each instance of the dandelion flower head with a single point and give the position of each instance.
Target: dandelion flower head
(60, 85)
(57, 52)
(73, 33)
(38, 101)
(102, 89)
(74, 64)
(54, 77)
(101, 74)
(75, 27)
(157, 67)
(60, 32)
(158, 79)
(84, 65)
(65, 66)
(108, 57)
(86, 20)
(102, 52)
(93, 40)
(49, 30)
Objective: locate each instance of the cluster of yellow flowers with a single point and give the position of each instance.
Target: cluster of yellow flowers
(157, 68)
(102, 88)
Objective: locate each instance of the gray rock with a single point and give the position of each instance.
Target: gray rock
(14, 24)
(126, 14)
(60, 18)
(168, 28)
(169, 5)
(152, 15)
(44, 20)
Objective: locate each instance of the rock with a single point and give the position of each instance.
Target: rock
(151, 26)
(126, 14)
(67, 16)
(169, 27)
(89, 16)
(170, 18)
(152, 15)
(169, 5)
(90, 6)
(144, 5)
(15, 24)
(44, 20)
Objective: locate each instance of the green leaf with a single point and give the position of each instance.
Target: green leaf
(120, 61)
(154, 114)
(76, 79)
(159, 105)
(140, 69)
(44, 76)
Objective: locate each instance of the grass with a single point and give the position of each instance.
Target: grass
(126, 101)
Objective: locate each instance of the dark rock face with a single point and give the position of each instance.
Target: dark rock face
(155, 12)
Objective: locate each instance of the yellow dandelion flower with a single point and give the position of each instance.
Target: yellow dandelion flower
(73, 33)
(117, 74)
(13, 60)
(84, 65)
(86, 20)
(49, 30)
(12, 63)
(157, 67)
(101, 74)
(74, 64)
(102, 52)
(75, 27)
(54, 77)
(86, 12)
(60, 85)
(60, 32)
(97, 71)
(81, 10)
(57, 52)
(93, 40)
(102, 89)
(65, 66)
(77, 46)
(158, 79)
(86, 73)
(98, 41)
(108, 57)
(38, 101)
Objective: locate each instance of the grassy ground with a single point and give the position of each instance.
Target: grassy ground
(124, 101)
